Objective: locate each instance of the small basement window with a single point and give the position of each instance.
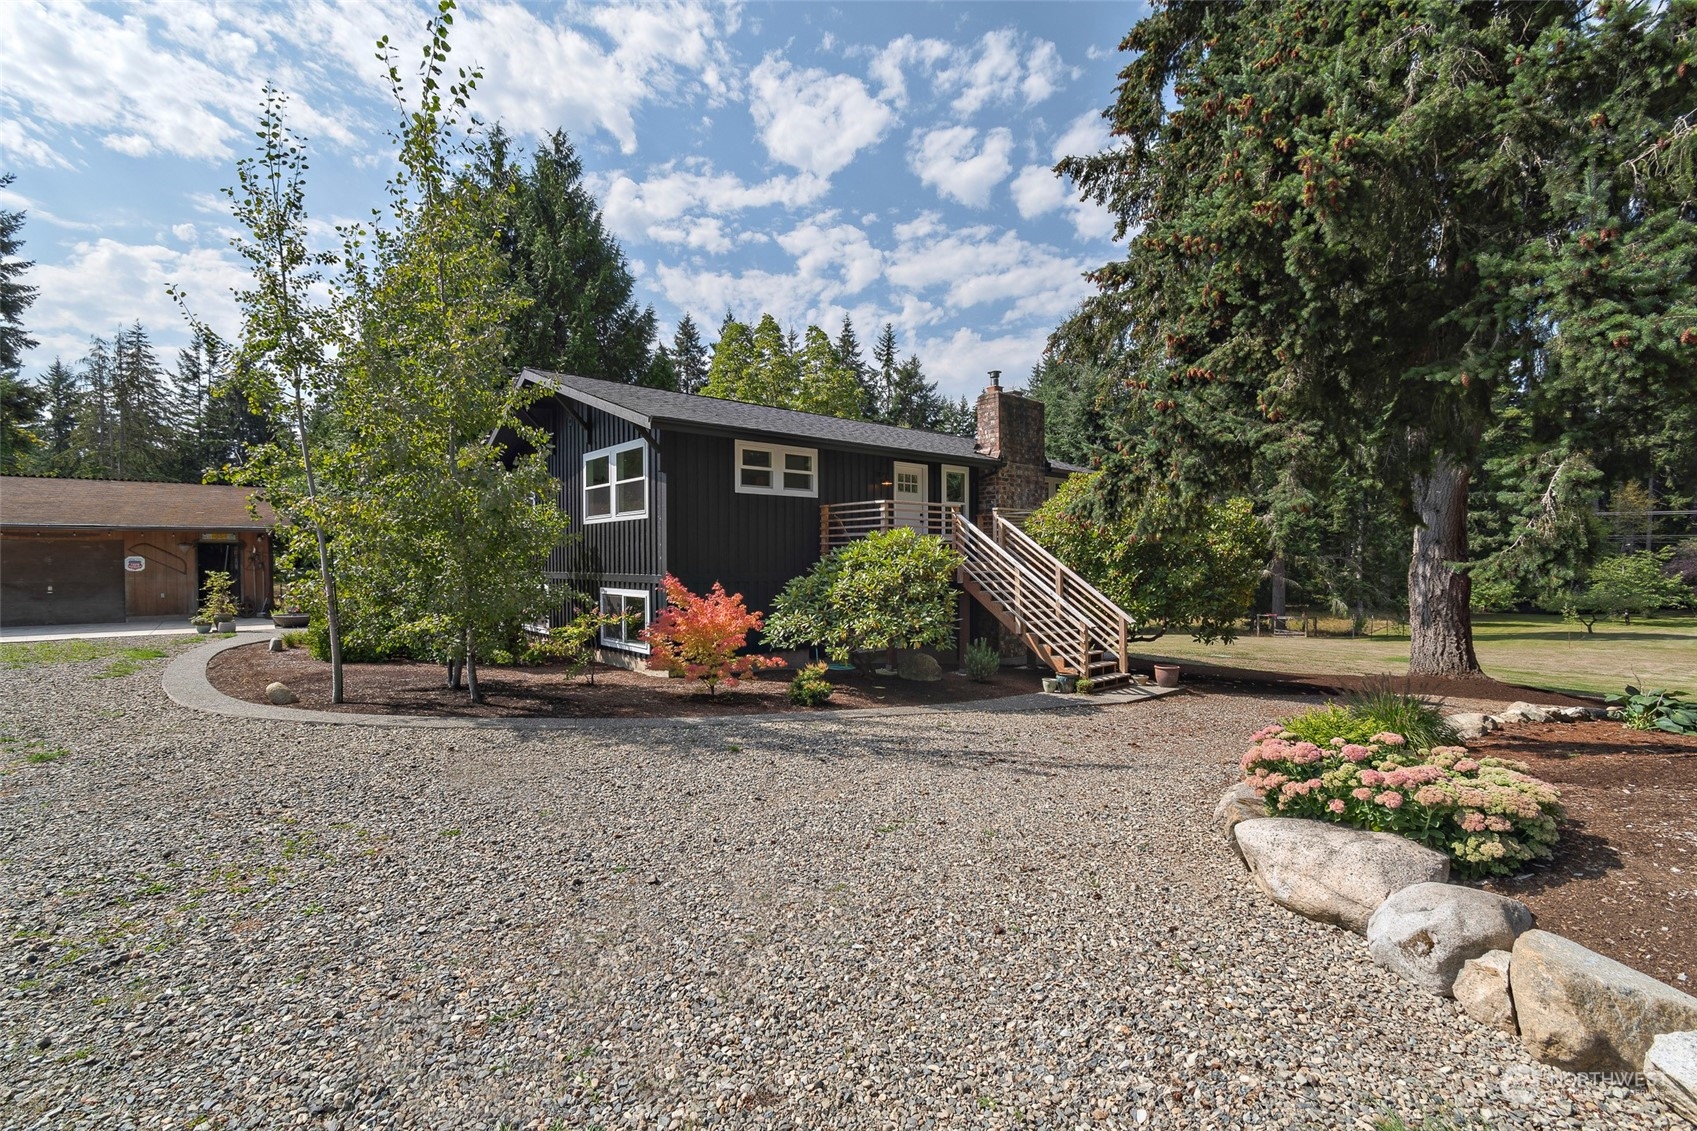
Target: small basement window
(769, 469)
(615, 483)
(630, 608)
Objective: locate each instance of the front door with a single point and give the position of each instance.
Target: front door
(912, 493)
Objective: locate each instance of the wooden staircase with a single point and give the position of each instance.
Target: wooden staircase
(1065, 621)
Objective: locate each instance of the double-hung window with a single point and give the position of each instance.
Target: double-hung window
(629, 608)
(772, 469)
(615, 483)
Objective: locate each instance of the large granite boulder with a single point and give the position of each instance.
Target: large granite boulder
(1670, 1068)
(918, 666)
(1471, 724)
(1586, 1013)
(1331, 873)
(1426, 931)
(1524, 713)
(1481, 989)
(281, 694)
(1240, 803)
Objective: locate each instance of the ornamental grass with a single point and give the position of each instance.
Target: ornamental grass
(1487, 814)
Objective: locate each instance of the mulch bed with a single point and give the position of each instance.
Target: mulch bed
(1435, 688)
(411, 688)
(1624, 878)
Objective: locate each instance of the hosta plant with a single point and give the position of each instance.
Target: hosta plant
(1487, 814)
(1655, 709)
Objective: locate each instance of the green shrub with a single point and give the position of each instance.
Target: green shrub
(359, 646)
(1487, 814)
(1656, 709)
(296, 638)
(892, 589)
(810, 688)
(1376, 709)
(982, 661)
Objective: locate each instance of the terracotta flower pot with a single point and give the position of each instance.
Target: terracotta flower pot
(1166, 675)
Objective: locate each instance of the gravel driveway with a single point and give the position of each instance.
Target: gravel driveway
(964, 919)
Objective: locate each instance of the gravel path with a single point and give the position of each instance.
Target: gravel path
(961, 920)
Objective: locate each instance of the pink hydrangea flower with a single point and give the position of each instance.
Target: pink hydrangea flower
(1335, 805)
(1355, 752)
(1390, 799)
(1466, 766)
(1388, 738)
(1473, 822)
(1372, 777)
(1361, 793)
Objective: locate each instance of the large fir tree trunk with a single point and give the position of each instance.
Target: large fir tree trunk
(1439, 618)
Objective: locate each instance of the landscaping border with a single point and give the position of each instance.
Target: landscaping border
(1571, 1008)
(186, 685)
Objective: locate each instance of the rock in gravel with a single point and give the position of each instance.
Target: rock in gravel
(1425, 932)
(1481, 989)
(1524, 713)
(1472, 724)
(280, 694)
(1586, 1013)
(1331, 873)
(1239, 803)
(276, 644)
(1572, 714)
(1670, 1068)
(918, 666)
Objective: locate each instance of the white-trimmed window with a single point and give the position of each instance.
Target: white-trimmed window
(771, 469)
(957, 487)
(630, 606)
(615, 483)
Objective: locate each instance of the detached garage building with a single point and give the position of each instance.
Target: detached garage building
(87, 551)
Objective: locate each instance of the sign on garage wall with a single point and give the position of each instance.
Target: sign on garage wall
(135, 563)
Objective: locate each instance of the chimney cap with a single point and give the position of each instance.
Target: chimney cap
(995, 378)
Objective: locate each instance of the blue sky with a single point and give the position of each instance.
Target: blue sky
(886, 160)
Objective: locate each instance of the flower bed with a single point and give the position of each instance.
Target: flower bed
(1487, 814)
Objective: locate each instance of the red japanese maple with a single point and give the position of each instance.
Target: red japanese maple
(699, 637)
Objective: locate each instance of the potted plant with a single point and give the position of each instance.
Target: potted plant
(1166, 675)
(218, 605)
(202, 623)
(290, 610)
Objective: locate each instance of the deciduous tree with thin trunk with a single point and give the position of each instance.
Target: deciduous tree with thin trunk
(282, 355)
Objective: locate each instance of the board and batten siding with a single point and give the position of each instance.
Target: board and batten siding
(754, 544)
(627, 554)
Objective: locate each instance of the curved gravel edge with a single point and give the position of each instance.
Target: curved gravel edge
(186, 684)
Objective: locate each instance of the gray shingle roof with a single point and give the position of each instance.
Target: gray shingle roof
(659, 407)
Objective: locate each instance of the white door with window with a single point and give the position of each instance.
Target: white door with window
(912, 492)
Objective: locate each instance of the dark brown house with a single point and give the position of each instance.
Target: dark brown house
(708, 490)
(84, 551)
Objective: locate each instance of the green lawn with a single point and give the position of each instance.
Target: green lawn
(1533, 650)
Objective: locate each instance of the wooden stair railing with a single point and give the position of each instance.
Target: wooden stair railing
(1067, 622)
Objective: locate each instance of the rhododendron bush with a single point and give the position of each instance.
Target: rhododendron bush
(1487, 814)
(699, 636)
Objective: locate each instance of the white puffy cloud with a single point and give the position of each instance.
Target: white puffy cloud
(105, 284)
(982, 265)
(951, 161)
(634, 210)
(1037, 190)
(838, 258)
(813, 120)
(961, 361)
(185, 232)
(1084, 136)
(140, 81)
(1001, 67)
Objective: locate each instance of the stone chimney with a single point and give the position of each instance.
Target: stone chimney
(1010, 428)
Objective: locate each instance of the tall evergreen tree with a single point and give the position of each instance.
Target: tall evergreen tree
(582, 317)
(15, 296)
(61, 397)
(885, 360)
(1075, 408)
(20, 405)
(734, 360)
(1345, 216)
(689, 357)
(849, 353)
(911, 401)
(776, 377)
